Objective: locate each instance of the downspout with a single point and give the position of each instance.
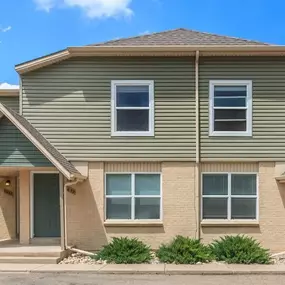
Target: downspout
(197, 168)
(66, 246)
(66, 185)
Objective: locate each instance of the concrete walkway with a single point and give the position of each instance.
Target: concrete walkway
(161, 269)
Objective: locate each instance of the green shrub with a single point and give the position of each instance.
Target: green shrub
(239, 249)
(125, 251)
(183, 250)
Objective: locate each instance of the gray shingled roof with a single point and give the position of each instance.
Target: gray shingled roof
(179, 37)
(42, 140)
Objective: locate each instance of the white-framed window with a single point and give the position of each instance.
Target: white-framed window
(133, 196)
(132, 108)
(230, 108)
(229, 196)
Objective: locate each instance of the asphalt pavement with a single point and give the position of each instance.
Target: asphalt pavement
(95, 279)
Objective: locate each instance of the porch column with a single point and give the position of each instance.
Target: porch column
(24, 193)
(62, 211)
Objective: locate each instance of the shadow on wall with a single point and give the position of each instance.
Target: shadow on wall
(84, 225)
(281, 188)
(77, 80)
(134, 230)
(88, 79)
(7, 209)
(16, 149)
(222, 230)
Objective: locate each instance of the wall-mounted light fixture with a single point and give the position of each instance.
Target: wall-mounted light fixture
(7, 182)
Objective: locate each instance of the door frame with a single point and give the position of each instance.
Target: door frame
(32, 190)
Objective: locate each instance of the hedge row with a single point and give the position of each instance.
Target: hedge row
(184, 250)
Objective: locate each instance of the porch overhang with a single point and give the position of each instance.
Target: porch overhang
(280, 179)
(41, 143)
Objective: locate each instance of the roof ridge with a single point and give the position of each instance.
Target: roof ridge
(139, 36)
(195, 33)
(217, 35)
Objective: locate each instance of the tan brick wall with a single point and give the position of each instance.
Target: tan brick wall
(271, 229)
(24, 199)
(85, 210)
(7, 210)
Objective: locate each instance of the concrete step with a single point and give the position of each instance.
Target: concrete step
(45, 241)
(29, 260)
(31, 254)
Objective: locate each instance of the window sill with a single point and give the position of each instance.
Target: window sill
(132, 134)
(230, 134)
(143, 223)
(236, 223)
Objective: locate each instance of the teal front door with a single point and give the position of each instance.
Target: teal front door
(46, 205)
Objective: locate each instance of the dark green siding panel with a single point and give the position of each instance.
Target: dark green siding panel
(70, 104)
(268, 81)
(10, 101)
(16, 149)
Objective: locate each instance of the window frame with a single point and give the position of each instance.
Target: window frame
(229, 196)
(133, 196)
(114, 108)
(248, 108)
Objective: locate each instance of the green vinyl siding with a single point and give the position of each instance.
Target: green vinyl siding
(16, 149)
(10, 101)
(268, 126)
(70, 104)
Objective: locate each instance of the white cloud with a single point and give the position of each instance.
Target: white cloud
(92, 8)
(45, 5)
(8, 86)
(4, 30)
(102, 8)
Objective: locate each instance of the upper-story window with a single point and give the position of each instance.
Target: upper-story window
(132, 108)
(230, 105)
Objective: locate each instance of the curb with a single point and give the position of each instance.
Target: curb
(161, 269)
(132, 272)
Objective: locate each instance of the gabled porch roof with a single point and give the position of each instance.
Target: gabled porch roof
(39, 141)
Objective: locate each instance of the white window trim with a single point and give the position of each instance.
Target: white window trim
(150, 84)
(133, 196)
(229, 196)
(248, 84)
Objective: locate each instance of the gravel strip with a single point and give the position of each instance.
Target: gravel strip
(78, 258)
(279, 259)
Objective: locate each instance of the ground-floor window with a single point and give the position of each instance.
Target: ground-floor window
(133, 196)
(229, 196)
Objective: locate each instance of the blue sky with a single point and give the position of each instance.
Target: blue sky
(32, 28)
